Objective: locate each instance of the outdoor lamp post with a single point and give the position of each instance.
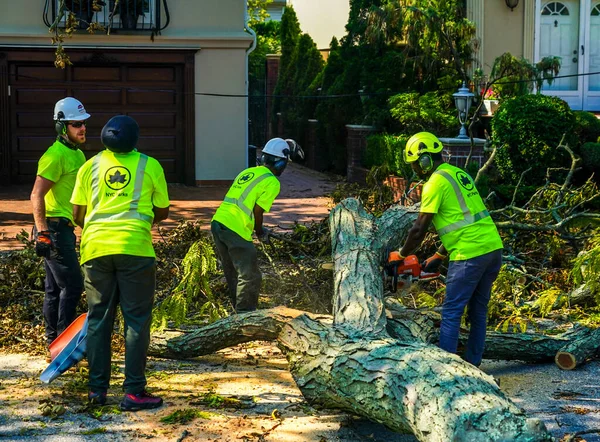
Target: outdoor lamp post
(463, 99)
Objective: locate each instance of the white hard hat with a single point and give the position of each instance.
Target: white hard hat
(70, 109)
(277, 147)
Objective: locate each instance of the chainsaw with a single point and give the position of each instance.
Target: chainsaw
(401, 273)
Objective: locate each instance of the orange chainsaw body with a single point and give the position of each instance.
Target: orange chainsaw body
(403, 272)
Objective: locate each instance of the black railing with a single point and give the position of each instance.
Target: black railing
(99, 15)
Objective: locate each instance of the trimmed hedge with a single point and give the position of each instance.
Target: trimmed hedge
(387, 150)
(588, 127)
(529, 129)
(590, 153)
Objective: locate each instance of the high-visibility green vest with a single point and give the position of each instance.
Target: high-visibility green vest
(460, 216)
(120, 191)
(60, 164)
(255, 185)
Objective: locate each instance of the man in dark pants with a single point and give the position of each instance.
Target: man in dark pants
(251, 194)
(469, 237)
(118, 196)
(53, 217)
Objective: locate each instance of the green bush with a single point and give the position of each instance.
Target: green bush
(528, 130)
(590, 153)
(587, 127)
(386, 150)
(432, 112)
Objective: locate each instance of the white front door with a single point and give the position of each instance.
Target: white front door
(570, 29)
(591, 83)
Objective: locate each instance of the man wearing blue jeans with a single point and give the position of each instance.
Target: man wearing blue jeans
(469, 237)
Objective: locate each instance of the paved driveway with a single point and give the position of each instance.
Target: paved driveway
(302, 199)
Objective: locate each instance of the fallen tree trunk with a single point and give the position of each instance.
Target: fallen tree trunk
(579, 350)
(354, 364)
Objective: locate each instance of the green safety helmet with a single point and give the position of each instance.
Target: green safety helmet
(420, 143)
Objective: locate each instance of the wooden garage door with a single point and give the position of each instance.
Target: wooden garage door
(153, 94)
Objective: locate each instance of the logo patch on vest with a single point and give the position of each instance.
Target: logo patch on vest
(465, 181)
(245, 178)
(117, 177)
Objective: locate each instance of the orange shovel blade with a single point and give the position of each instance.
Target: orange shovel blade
(65, 337)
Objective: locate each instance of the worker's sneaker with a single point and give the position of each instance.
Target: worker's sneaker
(140, 401)
(97, 398)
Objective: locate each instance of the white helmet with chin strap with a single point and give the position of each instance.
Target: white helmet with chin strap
(70, 109)
(278, 148)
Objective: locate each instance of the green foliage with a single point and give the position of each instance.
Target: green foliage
(512, 77)
(193, 290)
(590, 154)
(185, 415)
(375, 196)
(587, 127)
(528, 130)
(547, 300)
(305, 66)
(432, 112)
(506, 308)
(257, 11)
(586, 266)
(387, 150)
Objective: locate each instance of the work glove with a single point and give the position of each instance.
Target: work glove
(264, 237)
(45, 242)
(433, 263)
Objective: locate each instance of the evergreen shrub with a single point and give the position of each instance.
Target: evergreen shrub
(527, 131)
(386, 150)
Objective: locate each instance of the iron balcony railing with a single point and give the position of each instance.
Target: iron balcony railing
(98, 15)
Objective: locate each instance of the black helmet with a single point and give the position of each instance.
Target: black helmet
(120, 134)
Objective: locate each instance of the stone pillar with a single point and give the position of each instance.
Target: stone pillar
(456, 151)
(272, 77)
(356, 145)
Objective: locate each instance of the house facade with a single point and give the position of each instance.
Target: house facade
(185, 85)
(534, 29)
(322, 20)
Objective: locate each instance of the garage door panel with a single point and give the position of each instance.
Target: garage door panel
(168, 165)
(151, 93)
(155, 120)
(157, 144)
(29, 74)
(91, 97)
(164, 97)
(153, 74)
(35, 144)
(96, 73)
(35, 120)
(39, 97)
(26, 168)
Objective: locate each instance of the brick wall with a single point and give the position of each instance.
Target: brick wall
(356, 145)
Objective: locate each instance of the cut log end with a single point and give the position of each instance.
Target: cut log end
(565, 361)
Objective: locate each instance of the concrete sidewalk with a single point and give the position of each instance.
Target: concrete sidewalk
(302, 199)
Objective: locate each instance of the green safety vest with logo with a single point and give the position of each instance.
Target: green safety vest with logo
(60, 164)
(255, 185)
(120, 191)
(460, 216)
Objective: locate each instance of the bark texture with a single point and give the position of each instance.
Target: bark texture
(412, 386)
(354, 364)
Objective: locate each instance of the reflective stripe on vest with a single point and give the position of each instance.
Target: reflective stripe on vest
(468, 217)
(132, 213)
(240, 201)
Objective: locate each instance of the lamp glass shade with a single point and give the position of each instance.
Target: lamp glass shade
(463, 99)
(512, 3)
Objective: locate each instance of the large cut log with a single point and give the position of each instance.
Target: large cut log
(354, 364)
(412, 387)
(578, 350)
